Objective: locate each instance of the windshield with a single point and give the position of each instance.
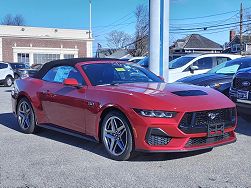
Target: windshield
(229, 67)
(118, 73)
(180, 62)
(144, 62)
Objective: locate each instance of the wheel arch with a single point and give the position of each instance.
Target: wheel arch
(23, 95)
(108, 109)
(9, 75)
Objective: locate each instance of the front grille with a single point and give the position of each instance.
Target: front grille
(158, 140)
(196, 122)
(206, 140)
(237, 84)
(202, 118)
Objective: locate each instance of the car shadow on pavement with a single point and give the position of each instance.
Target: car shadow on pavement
(9, 120)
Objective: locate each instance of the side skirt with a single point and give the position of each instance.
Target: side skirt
(68, 132)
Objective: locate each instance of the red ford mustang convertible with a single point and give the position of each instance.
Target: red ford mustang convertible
(124, 106)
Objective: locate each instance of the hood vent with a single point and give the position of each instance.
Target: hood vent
(189, 93)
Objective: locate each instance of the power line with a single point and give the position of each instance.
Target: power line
(208, 27)
(114, 23)
(205, 31)
(200, 23)
(200, 17)
(208, 16)
(115, 26)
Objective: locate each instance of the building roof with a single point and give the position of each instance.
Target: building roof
(45, 33)
(196, 41)
(245, 39)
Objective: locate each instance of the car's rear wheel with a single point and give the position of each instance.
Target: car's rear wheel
(16, 76)
(117, 136)
(8, 81)
(26, 116)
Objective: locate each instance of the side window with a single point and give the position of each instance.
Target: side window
(59, 74)
(220, 60)
(50, 75)
(204, 63)
(76, 75)
(3, 66)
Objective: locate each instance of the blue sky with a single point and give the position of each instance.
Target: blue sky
(118, 15)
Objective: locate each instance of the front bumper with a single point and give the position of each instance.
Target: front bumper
(243, 105)
(170, 138)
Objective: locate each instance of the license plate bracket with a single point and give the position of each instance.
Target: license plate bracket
(215, 130)
(242, 95)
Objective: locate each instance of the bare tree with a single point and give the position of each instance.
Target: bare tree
(118, 39)
(142, 30)
(17, 20)
(7, 20)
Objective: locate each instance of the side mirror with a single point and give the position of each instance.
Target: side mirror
(193, 68)
(71, 82)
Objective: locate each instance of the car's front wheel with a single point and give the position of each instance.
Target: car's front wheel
(8, 81)
(116, 136)
(26, 116)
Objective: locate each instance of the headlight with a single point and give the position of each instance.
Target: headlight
(216, 85)
(156, 113)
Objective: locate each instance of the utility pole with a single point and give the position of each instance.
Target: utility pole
(90, 21)
(241, 21)
(159, 37)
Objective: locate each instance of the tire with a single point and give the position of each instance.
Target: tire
(8, 81)
(117, 136)
(26, 117)
(16, 76)
(246, 117)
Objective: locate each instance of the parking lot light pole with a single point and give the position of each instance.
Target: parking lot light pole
(159, 37)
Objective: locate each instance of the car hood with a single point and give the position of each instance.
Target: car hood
(176, 97)
(206, 79)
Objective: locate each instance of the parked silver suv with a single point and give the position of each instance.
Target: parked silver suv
(6, 74)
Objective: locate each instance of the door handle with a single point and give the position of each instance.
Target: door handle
(48, 93)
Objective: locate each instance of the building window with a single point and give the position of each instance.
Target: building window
(23, 58)
(44, 58)
(68, 56)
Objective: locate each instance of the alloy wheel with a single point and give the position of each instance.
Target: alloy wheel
(25, 115)
(9, 82)
(115, 136)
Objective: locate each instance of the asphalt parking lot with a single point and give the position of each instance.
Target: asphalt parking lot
(51, 159)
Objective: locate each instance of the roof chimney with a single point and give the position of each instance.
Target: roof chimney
(232, 35)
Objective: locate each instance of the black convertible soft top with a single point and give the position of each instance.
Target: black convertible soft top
(67, 62)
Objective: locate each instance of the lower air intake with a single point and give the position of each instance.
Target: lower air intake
(206, 140)
(158, 140)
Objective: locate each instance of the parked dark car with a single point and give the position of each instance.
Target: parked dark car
(22, 70)
(18, 69)
(219, 77)
(240, 92)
